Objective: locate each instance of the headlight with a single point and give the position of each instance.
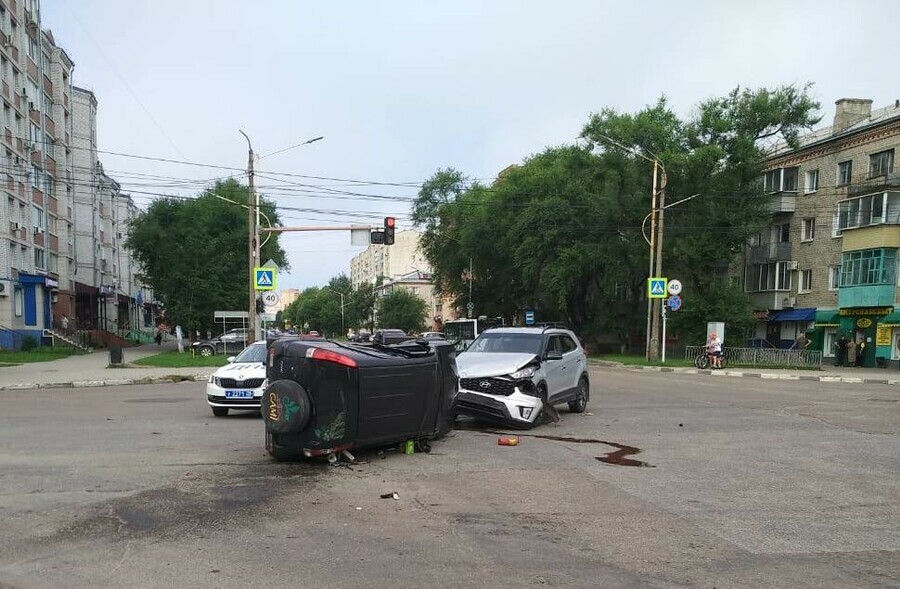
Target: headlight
(526, 372)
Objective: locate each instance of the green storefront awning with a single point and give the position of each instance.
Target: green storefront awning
(892, 319)
(826, 318)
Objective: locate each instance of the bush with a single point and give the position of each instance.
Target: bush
(29, 343)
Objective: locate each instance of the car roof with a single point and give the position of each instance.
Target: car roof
(527, 330)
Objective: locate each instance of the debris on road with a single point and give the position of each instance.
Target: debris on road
(508, 441)
(392, 495)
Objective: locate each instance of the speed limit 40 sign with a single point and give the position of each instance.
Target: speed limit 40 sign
(270, 298)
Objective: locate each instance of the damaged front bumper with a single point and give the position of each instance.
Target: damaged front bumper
(516, 409)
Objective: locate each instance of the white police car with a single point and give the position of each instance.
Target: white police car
(240, 383)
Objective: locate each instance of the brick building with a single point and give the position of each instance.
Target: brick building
(828, 265)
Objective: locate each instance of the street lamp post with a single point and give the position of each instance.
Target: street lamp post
(342, 306)
(253, 214)
(657, 204)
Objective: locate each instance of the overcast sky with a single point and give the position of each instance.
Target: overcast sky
(400, 89)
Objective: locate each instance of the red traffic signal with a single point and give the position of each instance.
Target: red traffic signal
(389, 227)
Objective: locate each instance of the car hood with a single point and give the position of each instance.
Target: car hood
(242, 370)
(477, 364)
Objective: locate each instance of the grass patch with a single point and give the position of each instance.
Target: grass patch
(185, 360)
(37, 355)
(640, 360)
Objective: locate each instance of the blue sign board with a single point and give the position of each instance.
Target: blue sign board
(264, 279)
(675, 302)
(656, 288)
(529, 317)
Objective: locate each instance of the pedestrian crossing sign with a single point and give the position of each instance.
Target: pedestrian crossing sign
(656, 288)
(264, 278)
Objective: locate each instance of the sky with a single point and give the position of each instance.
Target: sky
(401, 89)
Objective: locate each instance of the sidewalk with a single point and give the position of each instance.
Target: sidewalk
(91, 370)
(826, 374)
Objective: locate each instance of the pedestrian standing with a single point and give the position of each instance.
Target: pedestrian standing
(861, 352)
(851, 352)
(158, 337)
(179, 337)
(64, 323)
(840, 348)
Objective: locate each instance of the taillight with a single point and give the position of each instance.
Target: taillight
(329, 356)
(271, 356)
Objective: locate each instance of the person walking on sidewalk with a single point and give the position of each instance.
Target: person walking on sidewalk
(851, 353)
(179, 336)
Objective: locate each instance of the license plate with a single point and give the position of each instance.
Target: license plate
(238, 394)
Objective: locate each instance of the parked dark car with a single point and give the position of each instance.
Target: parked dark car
(324, 397)
(386, 337)
(231, 342)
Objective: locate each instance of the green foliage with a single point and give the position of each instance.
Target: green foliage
(320, 308)
(182, 360)
(401, 309)
(29, 343)
(38, 354)
(562, 232)
(194, 252)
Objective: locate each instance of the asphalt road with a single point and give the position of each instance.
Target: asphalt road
(748, 483)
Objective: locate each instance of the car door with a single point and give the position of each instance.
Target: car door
(553, 369)
(573, 362)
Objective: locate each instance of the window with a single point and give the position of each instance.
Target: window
(844, 173)
(19, 302)
(805, 280)
(834, 277)
(755, 240)
(809, 230)
(35, 176)
(767, 277)
(38, 258)
(812, 181)
(568, 345)
(54, 263)
(781, 180)
(32, 48)
(37, 217)
(864, 210)
(881, 163)
(789, 179)
(868, 267)
(46, 65)
(783, 232)
(47, 105)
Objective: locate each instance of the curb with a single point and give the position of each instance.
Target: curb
(115, 382)
(742, 374)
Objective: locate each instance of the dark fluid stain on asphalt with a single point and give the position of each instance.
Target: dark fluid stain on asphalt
(615, 458)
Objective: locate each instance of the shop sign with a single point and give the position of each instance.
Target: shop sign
(857, 311)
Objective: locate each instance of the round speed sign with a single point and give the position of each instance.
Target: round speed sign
(674, 287)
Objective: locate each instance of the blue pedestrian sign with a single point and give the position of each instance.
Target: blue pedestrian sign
(264, 278)
(675, 302)
(529, 317)
(656, 288)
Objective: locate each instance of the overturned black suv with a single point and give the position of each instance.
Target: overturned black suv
(324, 397)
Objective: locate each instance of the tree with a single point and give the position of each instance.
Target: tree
(360, 305)
(562, 232)
(194, 252)
(401, 309)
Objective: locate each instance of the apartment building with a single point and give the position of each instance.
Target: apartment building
(828, 265)
(389, 261)
(36, 213)
(62, 220)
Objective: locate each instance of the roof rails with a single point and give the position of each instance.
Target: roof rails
(552, 325)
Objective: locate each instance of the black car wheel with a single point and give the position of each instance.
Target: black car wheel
(286, 407)
(207, 351)
(581, 397)
(220, 411)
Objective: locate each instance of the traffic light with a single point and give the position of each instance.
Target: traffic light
(260, 307)
(376, 237)
(389, 226)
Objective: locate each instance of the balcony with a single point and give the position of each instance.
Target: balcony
(774, 300)
(783, 202)
(874, 183)
(769, 252)
(875, 295)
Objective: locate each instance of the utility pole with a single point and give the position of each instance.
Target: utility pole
(253, 242)
(469, 306)
(655, 343)
(650, 306)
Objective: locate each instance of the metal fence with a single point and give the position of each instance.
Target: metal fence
(763, 357)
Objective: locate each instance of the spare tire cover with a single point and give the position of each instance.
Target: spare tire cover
(286, 407)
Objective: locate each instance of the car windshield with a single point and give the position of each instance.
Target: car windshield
(527, 343)
(252, 354)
